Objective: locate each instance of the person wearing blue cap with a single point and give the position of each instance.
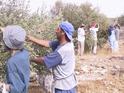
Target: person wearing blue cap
(18, 65)
(61, 60)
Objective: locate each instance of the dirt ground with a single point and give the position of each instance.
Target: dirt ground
(101, 73)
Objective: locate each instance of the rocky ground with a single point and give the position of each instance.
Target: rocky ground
(101, 73)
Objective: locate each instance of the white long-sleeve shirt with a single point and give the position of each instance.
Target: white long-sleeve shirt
(81, 34)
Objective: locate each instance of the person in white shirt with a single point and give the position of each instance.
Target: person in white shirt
(81, 39)
(93, 30)
(117, 32)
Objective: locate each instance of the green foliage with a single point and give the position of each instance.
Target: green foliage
(36, 24)
(4, 56)
(13, 12)
(43, 26)
(86, 14)
(88, 43)
(103, 31)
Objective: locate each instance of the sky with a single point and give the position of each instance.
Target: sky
(111, 8)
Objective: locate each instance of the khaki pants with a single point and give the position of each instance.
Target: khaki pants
(81, 47)
(94, 46)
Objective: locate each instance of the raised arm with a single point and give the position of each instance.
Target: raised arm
(41, 42)
(1, 28)
(97, 27)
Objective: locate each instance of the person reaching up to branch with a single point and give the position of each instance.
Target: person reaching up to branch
(61, 60)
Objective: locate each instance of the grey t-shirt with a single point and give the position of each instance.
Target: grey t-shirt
(62, 62)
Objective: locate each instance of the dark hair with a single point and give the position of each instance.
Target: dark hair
(67, 39)
(82, 26)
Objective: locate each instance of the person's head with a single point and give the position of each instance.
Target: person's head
(93, 24)
(82, 25)
(65, 30)
(14, 37)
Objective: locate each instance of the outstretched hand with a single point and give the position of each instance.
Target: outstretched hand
(37, 59)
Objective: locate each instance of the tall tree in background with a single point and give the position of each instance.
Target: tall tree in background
(13, 11)
(85, 13)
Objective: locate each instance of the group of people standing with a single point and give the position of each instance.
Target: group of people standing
(61, 60)
(113, 37)
(81, 38)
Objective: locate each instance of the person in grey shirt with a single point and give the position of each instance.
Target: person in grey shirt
(61, 60)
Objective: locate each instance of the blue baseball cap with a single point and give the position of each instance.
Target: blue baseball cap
(67, 28)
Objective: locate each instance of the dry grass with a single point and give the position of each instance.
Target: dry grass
(35, 88)
(112, 84)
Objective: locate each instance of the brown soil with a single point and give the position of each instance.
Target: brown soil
(102, 73)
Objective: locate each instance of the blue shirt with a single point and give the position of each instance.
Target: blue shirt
(112, 37)
(54, 58)
(18, 72)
